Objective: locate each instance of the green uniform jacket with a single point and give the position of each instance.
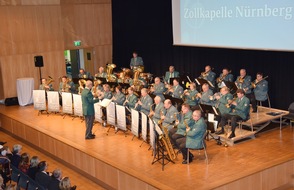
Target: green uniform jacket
(88, 102)
(181, 126)
(242, 109)
(194, 136)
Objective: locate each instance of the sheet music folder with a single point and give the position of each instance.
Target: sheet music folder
(209, 109)
(103, 80)
(232, 86)
(201, 81)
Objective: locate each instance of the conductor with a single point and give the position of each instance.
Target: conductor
(88, 109)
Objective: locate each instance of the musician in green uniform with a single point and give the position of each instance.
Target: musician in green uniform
(193, 136)
(240, 111)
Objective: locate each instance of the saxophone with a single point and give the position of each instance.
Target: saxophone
(164, 138)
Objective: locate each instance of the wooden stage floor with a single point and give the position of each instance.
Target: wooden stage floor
(265, 162)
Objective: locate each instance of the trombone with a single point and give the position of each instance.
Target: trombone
(256, 82)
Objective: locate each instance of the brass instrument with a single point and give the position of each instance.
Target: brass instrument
(204, 74)
(183, 94)
(228, 105)
(161, 120)
(49, 80)
(110, 77)
(256, 82)
(169, 89)
(151, 113)
(136, 82)
(186, 124)
(220, 79)
(96, 84)
(65, 85)
(164, 138)
(82, 84)
(241, 79)
(176, 120)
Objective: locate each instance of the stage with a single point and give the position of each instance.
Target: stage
(115, 161)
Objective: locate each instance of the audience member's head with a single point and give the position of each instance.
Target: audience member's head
(25, 158)
(42, 166)
(16, 149)
(57, 174)
(65, 184)
(34, 162)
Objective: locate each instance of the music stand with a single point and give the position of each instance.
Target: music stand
(232, 86)
(160, 151)
(201, 81)
(209, 109)
(103, 80)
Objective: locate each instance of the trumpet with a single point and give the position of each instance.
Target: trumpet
(256, 82)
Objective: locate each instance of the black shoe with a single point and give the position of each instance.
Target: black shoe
(90, 137)
(254, 111)
(93, 135)
(232, 135)
(220, 132)
(184, 162)
(2, 143)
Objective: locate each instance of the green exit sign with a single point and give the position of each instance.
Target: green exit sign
(77, 43)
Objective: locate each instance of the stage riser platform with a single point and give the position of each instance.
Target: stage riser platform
(118, 162)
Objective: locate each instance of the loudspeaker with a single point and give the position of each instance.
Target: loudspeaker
(11, 101)
(39, 61)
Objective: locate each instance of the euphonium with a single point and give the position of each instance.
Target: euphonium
(110, 77)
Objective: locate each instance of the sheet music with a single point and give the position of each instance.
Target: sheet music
(110, 112)
(210, 117)
(39, 99)
(121, 117)
(98, 112)
(158, 130)
(53, 101)
(135, 122)
(152, 134)
(78, 107)
(66, 102)
(105, 102)
(144, 126)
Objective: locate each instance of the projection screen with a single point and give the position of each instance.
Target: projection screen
(241, 24)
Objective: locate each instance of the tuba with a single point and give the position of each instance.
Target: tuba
(110, 77)
(137, 83)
